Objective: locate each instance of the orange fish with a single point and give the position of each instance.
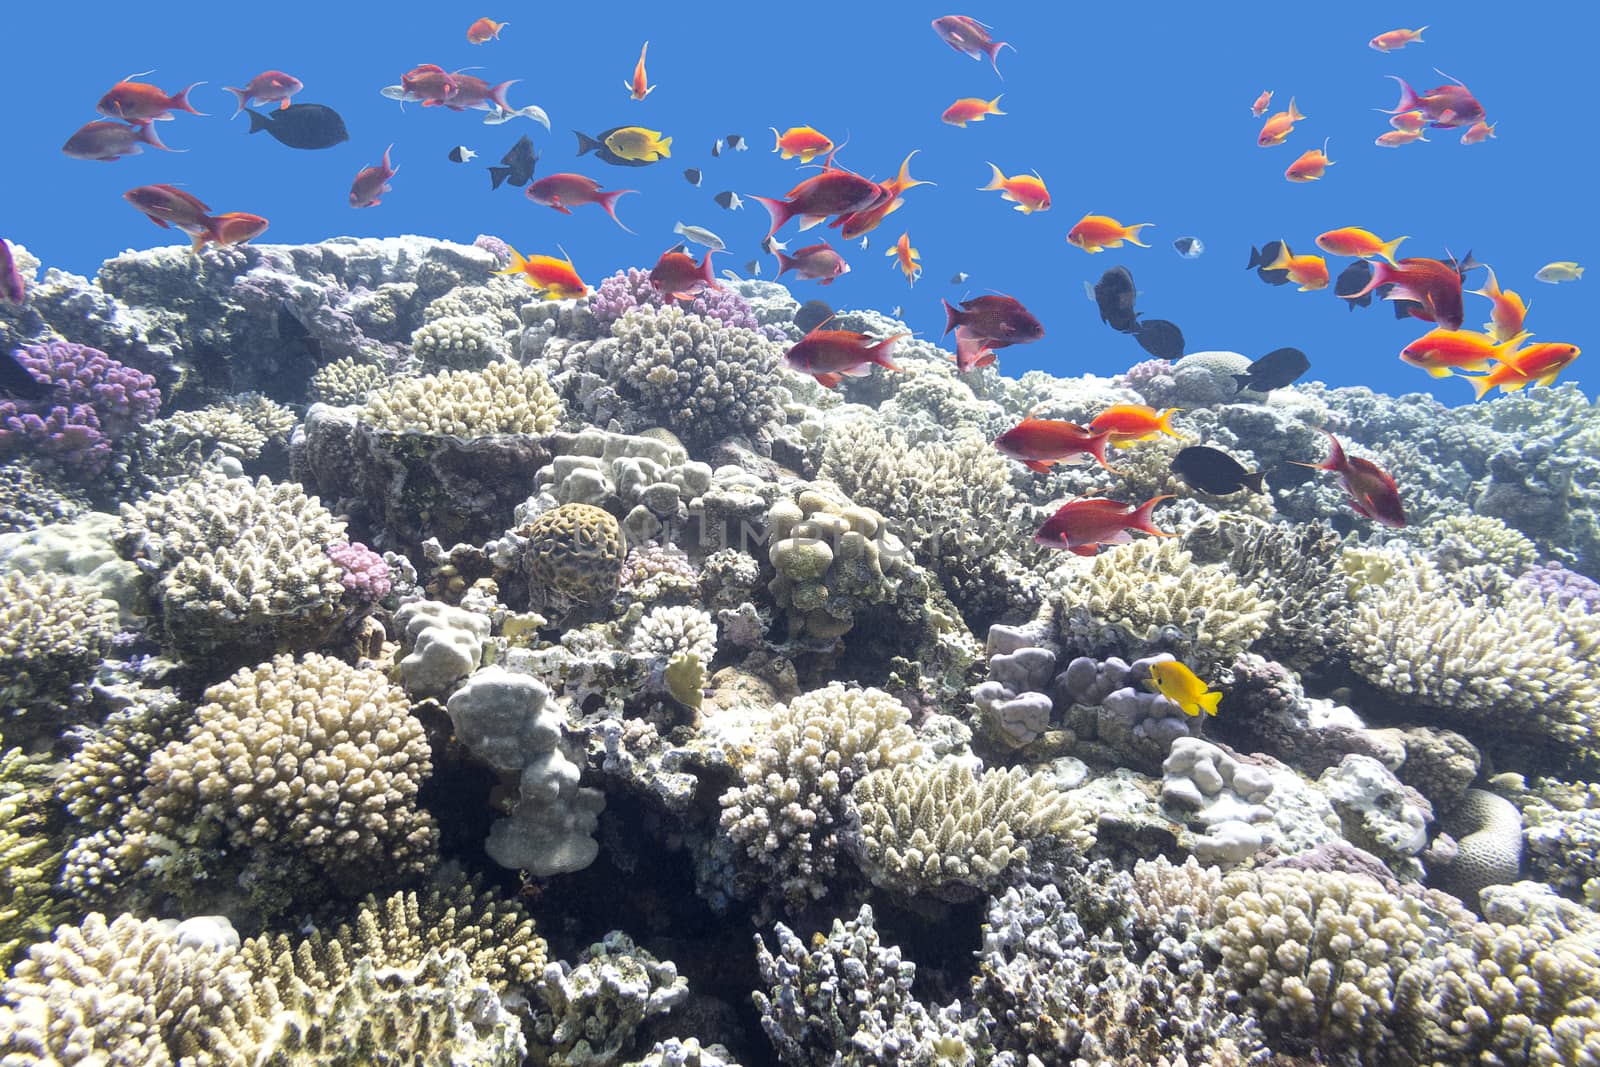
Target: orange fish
(372, 182)
(1409, 120)
(1505, 321)
(229, 228)
(1040, 443)
(1027, 191)
(1443, 352)
(1279, 126)
(906, 258)
(550, 278)
(1135, 422)
(1082, 526)
(1362, 244)
(1479, 132)
(1311, 165)
(1309, 272)
(800, 141)
(1395, 39)
(970, 109)
(1541, 363)
(857, 223)
(485, 30)
(1263, 102)
(639, 87)
(567, 191)
(818, 262)
(1396, 138)
(1096, 233)
(830, 356)
(141, 102)
(167, 205)
(677, 276)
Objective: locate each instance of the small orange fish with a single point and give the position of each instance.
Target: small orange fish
(1309, 272)
(1040, 443)
(1311, 165)
(1443, 352)
(1279, 126)
(229, 228)
(1505, 321)
(1135, 422)
(141, 102)
(1362, 244)
(485, 30)
(640, 86)
(970, 109)
(906, 258)
(1395, 39)
(1541, 363)
(800, 142)
(1027, 191)
(1396, 138)
(550, 278)
(1409, 120)
(1263, 102)
(1479, 132)
(1096, 233)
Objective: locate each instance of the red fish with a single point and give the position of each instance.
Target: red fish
(1040, 443)
(970, 109)
(640, 86)
(1082, 526)
(677, 276)
(1027, 191)
(857, 223)
(476, 94)
(1433, 285)
(167, 205)
(1372, 491)
(830, 356)
(1394, 39)
(485, 30)
(1311, 165)
(12, 288)
(997, 320)
(1537, 364)
(370, 183)
(427, 82)
(818, 262)
(110, 141)
(141, 102)
(1446, 107)
(969, 37)
(229, 228)
(266, 87)
(833, 192)
(1263, 102)
(567, 191)
(971, 352)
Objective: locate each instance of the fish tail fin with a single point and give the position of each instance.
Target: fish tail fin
(1491, 288)
(1131, 233)
(1408, 97)
(1097, 449)
(497, 175)
(181, 101)
(1242, 382)
(904, 180)
(586, 144)
(1141, 518)
(997, 181)
(258, 121)
(1481, 384)
(706, 273)
(952, 318)
(1508, 348)
(516, 264)
(1282, 260)
(777, 141)
(1294, 112)
(1417, 36)
(994, 54)
(881, 351)
(1254, 481)
(785, 263)
(1164, 422)
(1255, 259)
(147, 134)
(1209, 701)
(780, 210)
(665, 147)
(1391, 247)
(498, 95)
(1336, 460)
(1382, 274)
(391, 168)
(993, 106)
(608, 202)
(244, 97)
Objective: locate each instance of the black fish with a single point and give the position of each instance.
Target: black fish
(812, 313)
(1260, 259)
(958, 277)
(736, 142)
(1214, 472)
(716, 148)
(1189, 247)
(1353, 279)
(518, 166)
(692, 176)
(1273, 370)
(753, 268)
(302, 126)
(17, 381)
(1160, 338)
(1403, 308)
(597, 145)
(1114, 294)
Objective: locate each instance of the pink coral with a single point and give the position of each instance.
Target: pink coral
(365, 573)
(629, 289)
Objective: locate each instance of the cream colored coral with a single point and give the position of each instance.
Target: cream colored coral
(670, 631)
(1465, 540)
(786, 815)
(504, 397)
(925, 827)
(315, 756)
(49, 618)
(30, 860)
(458, 341)
(347, 381)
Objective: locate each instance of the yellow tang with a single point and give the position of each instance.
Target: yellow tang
(1178, 684)
(638, 143)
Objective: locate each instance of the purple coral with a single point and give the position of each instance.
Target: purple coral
(631, 288)
(94, 399)
(493, 245)
(1554, 580)
(366, 575)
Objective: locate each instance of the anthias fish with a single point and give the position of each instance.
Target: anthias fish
(997, 319)
(372, 182)
(1096, 233)
(1084, 526)
(818, 262)
(1027, 191)
(563, 192)
(549, 277)
(676, 276)
(830, 356)
(1039, 444)
(800, 142)
(140, 102)
(1372, 492)
(13, 290)
(107, 142)
(970, 37)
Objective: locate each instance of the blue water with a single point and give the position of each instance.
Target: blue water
(1143, 116)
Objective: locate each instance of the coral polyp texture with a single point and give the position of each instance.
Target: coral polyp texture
(366, 619)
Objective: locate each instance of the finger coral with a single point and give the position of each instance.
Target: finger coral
(504, 397)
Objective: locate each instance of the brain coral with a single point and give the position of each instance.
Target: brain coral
(504, 397)
(576, 551)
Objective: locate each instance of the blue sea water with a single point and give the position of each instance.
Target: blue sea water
(1139, 114)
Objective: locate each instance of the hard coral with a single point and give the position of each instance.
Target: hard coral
(503, 398)
(575, 552)
(94, 400)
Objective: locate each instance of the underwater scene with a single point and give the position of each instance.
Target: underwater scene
(826, 535)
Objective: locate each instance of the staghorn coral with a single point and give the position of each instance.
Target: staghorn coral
(788, 814)
(347, 381)
(666, 632)
(503, 398)
(53, 631)
(1456, 542)
(28, 908)
(240, 428)
(237, 565)
(949, 831)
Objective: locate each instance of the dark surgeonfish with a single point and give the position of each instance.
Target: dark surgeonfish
(1189, 247)
(1353, 279)
(516, 165)
(308, 126)
(1273, 370)
(1160, 338)
(1213, 471)
(1114, 295)
(597, 145)
(692, 175)
(812, 313)
(1259, 258)
(17, 381)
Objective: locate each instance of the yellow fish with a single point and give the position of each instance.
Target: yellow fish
(1178, 684)
(1563, 270)
(638, 143)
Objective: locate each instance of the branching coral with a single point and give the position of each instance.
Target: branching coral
(347, 381)
(28, 908)
(53, 630)
(590, 1014)
(504, 397)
